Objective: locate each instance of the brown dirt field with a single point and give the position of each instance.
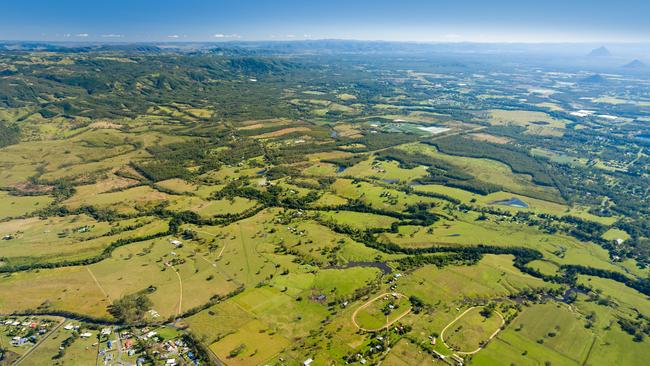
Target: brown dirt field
(29, 187)
(490, 138)
(255, 124)
(282, 132)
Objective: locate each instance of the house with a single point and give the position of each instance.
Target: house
(69, 326)
(86, 335)
(308, 362)
(176, 243)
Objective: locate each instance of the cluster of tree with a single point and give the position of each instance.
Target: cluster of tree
(160, 170)
(440, 260)
(642, 285)
(517, 159)
(637, 328)
(347, 161)
(9, 134)
(130, 309)
(273, 196)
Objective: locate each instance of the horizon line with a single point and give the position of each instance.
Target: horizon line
(222, 41)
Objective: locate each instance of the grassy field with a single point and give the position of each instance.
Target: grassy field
(536, 123)
(385, 171)
(124, 201)
(491, 171)
(359, 220)
(252, 344)
(468, 333)
(541, 333)
(493, 276)
(628, 300)
(14, 206)
(70, 237)
(381, 311)
(132, 268)
(211, 208)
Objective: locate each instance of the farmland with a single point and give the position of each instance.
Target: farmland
(247, 206)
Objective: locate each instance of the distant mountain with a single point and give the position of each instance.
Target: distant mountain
(594, 79)
(635, 64)
(599, 52)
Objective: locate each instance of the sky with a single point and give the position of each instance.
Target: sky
(390, 20)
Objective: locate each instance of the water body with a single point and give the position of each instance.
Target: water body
(512, 202)
(263, 171)
(390, 181)
(340, 169)
(645, 137)
(381, 265)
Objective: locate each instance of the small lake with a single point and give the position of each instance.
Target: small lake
(263, 171)
(340, 169)
(512, 202)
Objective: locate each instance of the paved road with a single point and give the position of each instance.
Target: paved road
(46, 336)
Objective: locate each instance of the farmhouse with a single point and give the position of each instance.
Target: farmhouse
(308, 362)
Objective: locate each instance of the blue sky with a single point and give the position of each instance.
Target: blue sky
(403, 20)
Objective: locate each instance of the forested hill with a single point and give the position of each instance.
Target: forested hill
(126, 83)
